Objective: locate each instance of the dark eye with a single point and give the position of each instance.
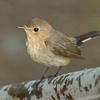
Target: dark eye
(36, 29)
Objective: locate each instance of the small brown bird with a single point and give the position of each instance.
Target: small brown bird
(50, 47)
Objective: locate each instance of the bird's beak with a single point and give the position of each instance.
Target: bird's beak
(23, 27)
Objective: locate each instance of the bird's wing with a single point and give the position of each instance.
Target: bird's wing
(65, 49)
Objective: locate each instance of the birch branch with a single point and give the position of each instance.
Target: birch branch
(81, 85)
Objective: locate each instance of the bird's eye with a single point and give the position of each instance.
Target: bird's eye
(36, 29)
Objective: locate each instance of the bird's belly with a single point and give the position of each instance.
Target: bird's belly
(44, 56)
(56, 61)
(49, 59)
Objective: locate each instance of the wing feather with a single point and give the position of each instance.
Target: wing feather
(68, 49)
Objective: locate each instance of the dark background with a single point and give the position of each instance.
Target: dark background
(72, 17)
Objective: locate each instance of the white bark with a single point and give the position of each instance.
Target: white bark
(81, 85)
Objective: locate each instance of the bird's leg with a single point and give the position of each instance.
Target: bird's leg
(45, 73)
(57, 72)
(43, 77)
(54, 74)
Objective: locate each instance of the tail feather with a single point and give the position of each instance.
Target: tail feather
(86, 37)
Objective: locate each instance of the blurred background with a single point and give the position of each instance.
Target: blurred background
(71, 17)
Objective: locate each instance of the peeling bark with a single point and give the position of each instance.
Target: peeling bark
(81, 85)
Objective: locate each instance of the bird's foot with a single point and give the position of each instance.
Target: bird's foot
(48, 77)
(55, 75)
(43, 77)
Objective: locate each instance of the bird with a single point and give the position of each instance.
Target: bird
(50, 47)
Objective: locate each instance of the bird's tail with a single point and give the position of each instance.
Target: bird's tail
(86, 37)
